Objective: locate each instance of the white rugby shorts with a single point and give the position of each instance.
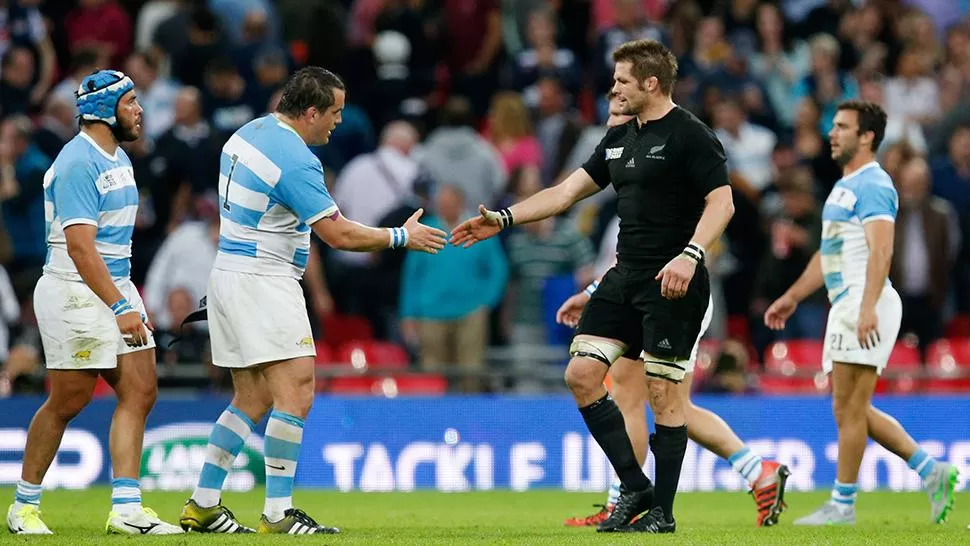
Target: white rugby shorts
(255, 319)
(77, 329)
(841, 342)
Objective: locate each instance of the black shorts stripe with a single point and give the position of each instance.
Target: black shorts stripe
(594, 356)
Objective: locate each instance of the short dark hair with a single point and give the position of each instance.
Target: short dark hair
(457, 112)
(649, 59)
(871, 118)
(311, 86)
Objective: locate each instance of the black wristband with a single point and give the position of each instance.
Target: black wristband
(505, 218)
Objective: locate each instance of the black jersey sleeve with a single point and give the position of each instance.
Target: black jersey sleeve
(706, 163)
(596, 166)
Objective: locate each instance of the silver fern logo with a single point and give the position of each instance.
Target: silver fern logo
(652, 154)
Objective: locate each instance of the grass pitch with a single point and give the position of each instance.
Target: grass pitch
(422, 518)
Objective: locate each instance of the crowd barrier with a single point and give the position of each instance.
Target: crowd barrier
(482, 443)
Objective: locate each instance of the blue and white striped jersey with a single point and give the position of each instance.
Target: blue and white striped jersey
(863, 196)
(85, 185)
(271, 189)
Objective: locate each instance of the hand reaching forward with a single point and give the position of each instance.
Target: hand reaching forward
(421, 237)
(476, 229)
(571, 309)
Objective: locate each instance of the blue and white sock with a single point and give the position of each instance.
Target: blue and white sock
(225, 442)
(844, 494)
(614, 493)
(125, 496)
(27, 494)
(284, 436)
(922, 463)
(747, 463)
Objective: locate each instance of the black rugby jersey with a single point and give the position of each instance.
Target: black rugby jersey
(662, 173)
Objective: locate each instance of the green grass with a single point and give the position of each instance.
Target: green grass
(422, 518)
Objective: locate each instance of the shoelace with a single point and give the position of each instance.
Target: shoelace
(302, 517)
(32, 517)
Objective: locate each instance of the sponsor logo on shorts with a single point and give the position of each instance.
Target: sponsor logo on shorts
(305, 342)
(77, 302)
(82, 356)
(664, 344)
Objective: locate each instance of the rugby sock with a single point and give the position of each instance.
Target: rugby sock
(843, 494)
(284, 434)
(747, 463)
(226, 440)
(605, 423)
(125, 496)
(922, 463)
(614, 493)
(669, 444)
(27, 494)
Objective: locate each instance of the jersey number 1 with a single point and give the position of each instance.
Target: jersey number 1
(225, 202)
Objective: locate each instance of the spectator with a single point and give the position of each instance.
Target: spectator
(511, 132)
(228, 102)
(912, 95)
(472, 42)
(367, 189)
(456, 154)
(539, 252)
(446, 299)
(238, 16)
(780, 62)
(83, 62)
(55, 126)
(190, 150)
(16, 82)
(748, 148)
(951, 181)
(794, 238)
(729, 375)
(898, 128)
(102, 25)
(150, 16)
(557, 129)
(22, 25)
(156, 95)
(543, 58)
(194, 45)
(826, 84)
(22, 168)
(926, 245)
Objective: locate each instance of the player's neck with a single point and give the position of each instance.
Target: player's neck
(653, 111)
(102, 136)
(861, 159)
(293, 124)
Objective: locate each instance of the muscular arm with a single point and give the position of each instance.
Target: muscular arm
(879, 236)
(555, 200)
(718, 210)
(89, 264)
(809, 281)
(343, 234)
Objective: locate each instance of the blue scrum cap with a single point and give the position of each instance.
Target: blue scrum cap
(99, 94)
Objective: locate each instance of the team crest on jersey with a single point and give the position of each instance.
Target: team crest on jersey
(614, 153)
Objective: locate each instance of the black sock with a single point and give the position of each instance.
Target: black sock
(669, 445)
(605, 423)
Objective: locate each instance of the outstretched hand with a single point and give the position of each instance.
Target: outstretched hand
(423, 238)
(485, 225)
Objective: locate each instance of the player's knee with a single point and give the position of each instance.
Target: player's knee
(583, 375)
(140, 396)
(663, 398)
(67, 407)
(847, 410)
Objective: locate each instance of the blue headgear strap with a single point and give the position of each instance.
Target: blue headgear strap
(99, 94)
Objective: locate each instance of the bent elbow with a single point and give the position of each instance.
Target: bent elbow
(729, 209)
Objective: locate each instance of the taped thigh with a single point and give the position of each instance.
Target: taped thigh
(672, 370)
(599, 349)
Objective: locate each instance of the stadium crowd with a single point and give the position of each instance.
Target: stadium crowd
(453, 103)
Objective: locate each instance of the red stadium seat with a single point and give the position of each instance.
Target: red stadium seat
(959, 326)
(339, 329)
(794, 357)
(325, 355)
(949, 357)
(389, 386)
(905, 356)
(947, 385)
(780, 384)
(373, 355)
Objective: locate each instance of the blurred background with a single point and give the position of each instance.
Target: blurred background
(452, 103)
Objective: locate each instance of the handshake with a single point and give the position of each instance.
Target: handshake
(414, 235)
